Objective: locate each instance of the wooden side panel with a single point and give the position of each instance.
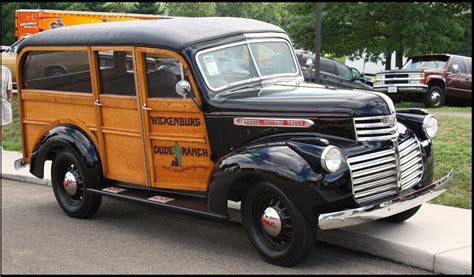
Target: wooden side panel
(179, 156)
(41, 109)
(125, 160)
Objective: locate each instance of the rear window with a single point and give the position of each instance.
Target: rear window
(67, 71)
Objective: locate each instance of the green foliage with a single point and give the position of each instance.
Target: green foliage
(347, 29)
(191, 9)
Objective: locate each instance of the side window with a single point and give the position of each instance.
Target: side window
(344, 72)
(459, 62)
(162, 74)
(116, 73)
(328, 67)
(469, 65)
(67, 71)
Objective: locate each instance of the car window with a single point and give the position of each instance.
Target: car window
(459, 61)
(273, 58)
(328, 67)
(116, 73)
(163, 73)
(469, 65)
(58, 70)
(344, 71)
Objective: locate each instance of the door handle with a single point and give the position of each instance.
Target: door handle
(97, 103)
(145, 107)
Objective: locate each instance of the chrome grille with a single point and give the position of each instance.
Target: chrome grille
(376, 128)
(374, 175)
(411, 163)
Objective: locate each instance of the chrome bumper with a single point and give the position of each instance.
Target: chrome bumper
(386, 209)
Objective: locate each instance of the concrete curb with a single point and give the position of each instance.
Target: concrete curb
(26, 179)
(425, 241)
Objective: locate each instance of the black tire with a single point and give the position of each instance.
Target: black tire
(296, 237)
(55, 71)
(81, 204)
(435, 97)
(402, 216)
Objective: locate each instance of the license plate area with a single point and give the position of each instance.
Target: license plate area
(392, 89)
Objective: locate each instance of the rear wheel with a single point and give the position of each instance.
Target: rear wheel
(276, 227)
(402, 216)
(69, 186)
(434, 98)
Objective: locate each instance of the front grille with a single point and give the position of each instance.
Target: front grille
(394, 76)
(374, 175)
(411, 163)
(376, 128)
(391, 82)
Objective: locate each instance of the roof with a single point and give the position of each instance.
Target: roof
(175, 34)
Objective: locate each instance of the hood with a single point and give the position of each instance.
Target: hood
(308, 99)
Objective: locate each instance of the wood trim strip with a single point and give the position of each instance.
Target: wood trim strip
(121, 132)
(173, 138)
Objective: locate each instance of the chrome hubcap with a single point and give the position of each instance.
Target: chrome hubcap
(271, 222)
(70, 183)
(435, 98)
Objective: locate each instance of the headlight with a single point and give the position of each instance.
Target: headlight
(331, 159)
(430, 126)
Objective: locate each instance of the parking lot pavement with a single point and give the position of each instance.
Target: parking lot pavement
(125, 237)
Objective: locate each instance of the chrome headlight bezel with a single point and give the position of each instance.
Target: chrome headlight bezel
(428, 129)
(324, 159)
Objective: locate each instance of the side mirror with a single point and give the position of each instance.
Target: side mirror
(456, 68)
(183, 88)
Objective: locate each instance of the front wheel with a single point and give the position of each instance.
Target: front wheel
(275, 226)
(69, 186)
(434, 98)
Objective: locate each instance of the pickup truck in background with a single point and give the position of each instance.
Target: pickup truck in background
(432, 79)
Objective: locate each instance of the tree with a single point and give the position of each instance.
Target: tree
(191, 9)
(376, 28)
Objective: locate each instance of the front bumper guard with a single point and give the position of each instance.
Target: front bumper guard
(369, 213)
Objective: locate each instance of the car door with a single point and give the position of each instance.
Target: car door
(345, 76)
(329, 73)
(118, 116)
(174, 131)
(458, 85)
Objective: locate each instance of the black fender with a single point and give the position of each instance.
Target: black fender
(289, 165)
(413, 119)
(66, 137)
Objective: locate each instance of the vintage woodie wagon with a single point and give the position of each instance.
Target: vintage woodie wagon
(188, 113)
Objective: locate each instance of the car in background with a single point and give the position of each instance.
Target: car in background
(332, 73)
(365, 78)
(432, 79)
(9, 58)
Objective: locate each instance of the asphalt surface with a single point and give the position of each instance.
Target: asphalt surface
(125, 237)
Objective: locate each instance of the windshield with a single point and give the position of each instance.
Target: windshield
(436, 62)
(246, 62)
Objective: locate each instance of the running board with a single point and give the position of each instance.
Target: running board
(186, 204)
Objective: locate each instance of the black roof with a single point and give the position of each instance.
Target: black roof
(175, 33)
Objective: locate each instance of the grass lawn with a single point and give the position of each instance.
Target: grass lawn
(452, 150)
(442, 109)
(11, 132)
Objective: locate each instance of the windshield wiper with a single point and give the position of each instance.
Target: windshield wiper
(262, 84)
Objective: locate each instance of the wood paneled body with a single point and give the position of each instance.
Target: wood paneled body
(148, 141)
